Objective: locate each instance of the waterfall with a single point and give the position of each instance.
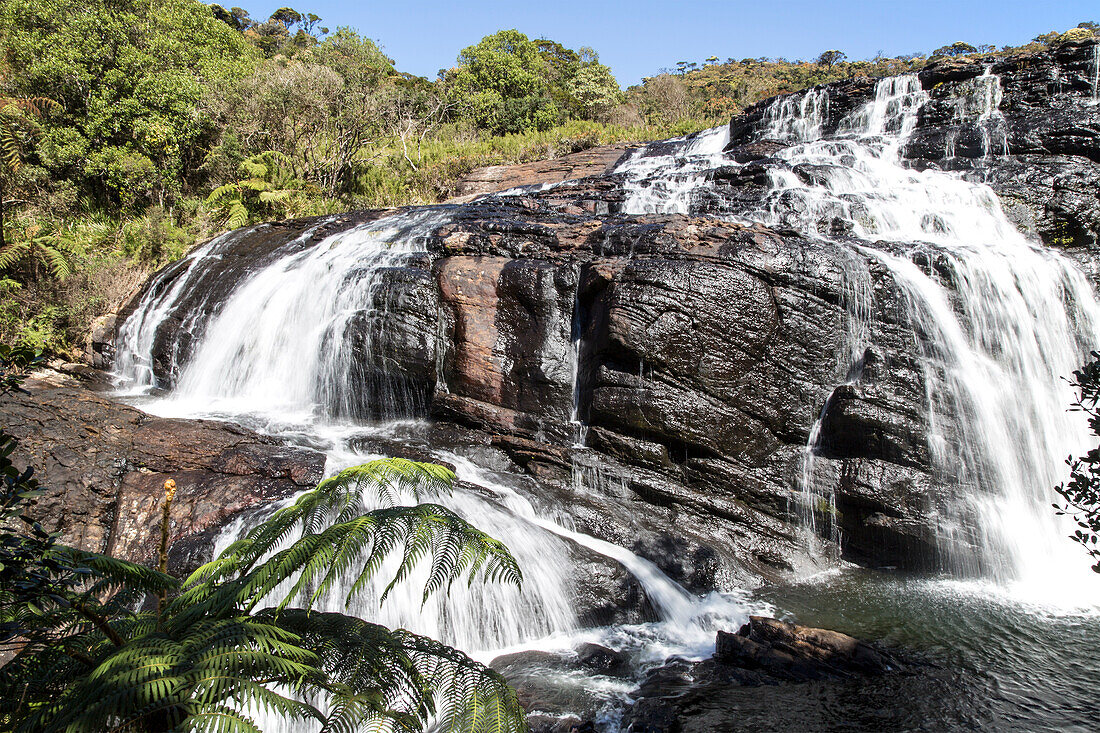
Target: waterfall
(281, 345)
(302, 335)
(978, 105)
(1000, 322)
(661, 178)
(576, 353)
(798, 117)
(817, 493)
(1096, 72)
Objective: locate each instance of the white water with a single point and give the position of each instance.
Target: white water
(661, 179)
(292, 338)
(1096, 73)
(797, 118)
(978, 106)
(1001, 322)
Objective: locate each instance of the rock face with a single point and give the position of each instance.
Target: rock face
(103, 466)
(698, 353)
(716, 693)
(592, 162)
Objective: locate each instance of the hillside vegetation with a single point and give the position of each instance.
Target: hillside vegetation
(129, 132)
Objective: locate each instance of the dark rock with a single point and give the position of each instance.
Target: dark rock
(710, 695)
(601, 660)
(789, 653)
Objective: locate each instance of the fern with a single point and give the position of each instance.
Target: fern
(268, 187)
(210, 655)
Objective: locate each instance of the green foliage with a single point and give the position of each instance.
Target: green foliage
(502, 84)
(128, 75)
(268, 189)
(211, 651)
(831, 58)
(1081, 494)
(49, 250)
(958, 48)
(509, 84)
(161, 104)
(594, 90)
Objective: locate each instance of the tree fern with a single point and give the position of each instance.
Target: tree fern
(222, 649)
(268, 188)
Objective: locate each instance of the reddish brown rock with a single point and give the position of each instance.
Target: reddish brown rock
(591, 162)
(104, 464)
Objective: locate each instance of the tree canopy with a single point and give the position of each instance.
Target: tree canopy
(507, 83)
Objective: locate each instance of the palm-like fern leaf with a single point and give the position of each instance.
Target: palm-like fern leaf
(17, 114)
(206, 660)
(416, 678)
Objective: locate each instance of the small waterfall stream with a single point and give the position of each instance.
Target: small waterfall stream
(1096, 73)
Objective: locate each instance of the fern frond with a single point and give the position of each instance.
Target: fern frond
(223, 193)
(414, 677)
(359, 547)
(238, 215)
(275, 197)
(13, 252)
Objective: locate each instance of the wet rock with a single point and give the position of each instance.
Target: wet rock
(713, 694)
(104, 464)
(601, 660)
(790, 653)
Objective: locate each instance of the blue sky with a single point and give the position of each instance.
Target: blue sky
(639, 37)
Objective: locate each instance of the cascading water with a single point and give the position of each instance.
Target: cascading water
(300, 336)
(798, 118)
(660, 179)
(1096, 73)
(1000, 320)
(978, 106)
(278, 349)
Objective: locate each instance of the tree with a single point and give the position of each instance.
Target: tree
(594, 90)
(958, 48)
(129, 77)
(1081, 494)
(288, 17)
(89, 654)
(503, 82)
(831, 58)
(18, 124)
(666, 97)
(319, 109)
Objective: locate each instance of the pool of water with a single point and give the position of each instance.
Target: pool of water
(994, 663)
